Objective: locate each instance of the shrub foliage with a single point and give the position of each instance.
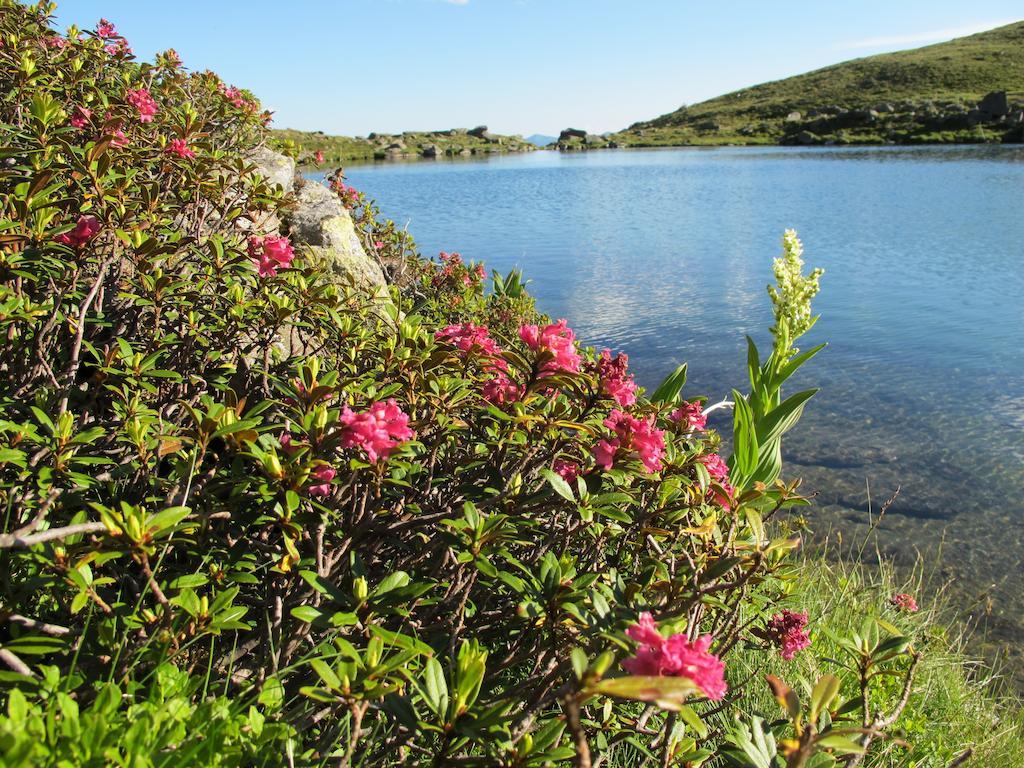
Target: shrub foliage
(251, 517)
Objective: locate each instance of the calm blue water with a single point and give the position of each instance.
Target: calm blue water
(665, 254)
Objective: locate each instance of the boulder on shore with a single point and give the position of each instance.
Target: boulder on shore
(995, 104)
(320, 222)
(572, 133)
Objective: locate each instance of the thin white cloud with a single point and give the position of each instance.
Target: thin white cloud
(934, 36)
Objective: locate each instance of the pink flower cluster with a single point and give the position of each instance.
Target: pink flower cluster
(904, 602)
(119, 48)
(567, 470)
(85, 230)
(349, 195)
(81, 117)
(676, 656)
(378, 431)
(54, 41)
(236, 97)
(556, 341)
(105, 30)
(631, 434)
(616, 383)
(323, 474)
(472, 338)
(691, 415)
(143, 101)
(719, 472)
(180, 148)
(501, 389)
(270, 254)
(318, 157)
(787, 630)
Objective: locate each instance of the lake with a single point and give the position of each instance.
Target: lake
(665, 255)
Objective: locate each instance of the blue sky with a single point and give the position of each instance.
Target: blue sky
(519, 66)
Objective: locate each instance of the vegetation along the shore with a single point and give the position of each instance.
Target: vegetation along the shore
(278, 491)
(968, 90)
(318, 148)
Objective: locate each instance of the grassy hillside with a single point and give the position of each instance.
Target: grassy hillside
(455, 142)
(925, 94)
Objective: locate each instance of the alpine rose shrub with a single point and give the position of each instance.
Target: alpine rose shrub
(257, 518)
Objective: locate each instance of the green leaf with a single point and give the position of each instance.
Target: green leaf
(326, 674)
(839, 744)
(825, 691)
(665, 692)
(557, 482)
(306, 613)
(671, 388)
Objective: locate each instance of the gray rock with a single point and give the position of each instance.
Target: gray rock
(320, 222)
(806, 138)
(885, 107)
(977, 117)
(274, 167)
(794, 117)
(479, 131)
(572, 133)
(995, 104)
(594, 139)
(431, 150)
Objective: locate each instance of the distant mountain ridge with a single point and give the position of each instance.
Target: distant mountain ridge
(930, 93)
(540, 139)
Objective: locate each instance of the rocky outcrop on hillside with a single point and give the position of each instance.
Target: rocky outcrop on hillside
(993, 118)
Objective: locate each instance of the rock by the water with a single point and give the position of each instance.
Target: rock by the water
(572, 133)
(479, 131)
(431, 150)
(276, 168)
(995, 104)
(320, 222)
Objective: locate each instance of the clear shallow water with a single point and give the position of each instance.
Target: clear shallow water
(665, 254)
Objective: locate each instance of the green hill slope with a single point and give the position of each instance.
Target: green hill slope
(925, 94)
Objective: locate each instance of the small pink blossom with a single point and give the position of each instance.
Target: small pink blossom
(118, 139)
(616, 383)
(719, 472)
(632, 435)
(84, 231)
(691, 415)
(54, 41)
(324, 474)
(676, 656)
(81, 117)
(180, 148)
(556, 341)
(378, 244)
(500, 389)
(480, 272)
(288, 443)
(471, 338)
(318, 158)
(904, 602)
(105, 29)
(119, 48)
(143, 101)
(787, 630)
(377, 431)
(270, 254)
(567, 470)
